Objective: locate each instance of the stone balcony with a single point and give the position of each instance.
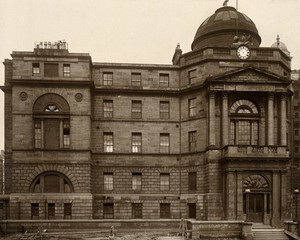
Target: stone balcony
(255, 151)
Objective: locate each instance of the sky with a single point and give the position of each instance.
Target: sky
(132, 31)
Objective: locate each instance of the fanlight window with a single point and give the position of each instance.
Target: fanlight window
(244, 123)
(51, 108)
(51, 182)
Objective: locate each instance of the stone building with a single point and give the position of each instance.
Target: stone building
(206, 137)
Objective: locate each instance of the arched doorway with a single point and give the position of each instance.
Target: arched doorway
(256, 198)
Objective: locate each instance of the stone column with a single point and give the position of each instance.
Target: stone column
(225, 119)
(212, 119)
(283, 140)
(271, 119)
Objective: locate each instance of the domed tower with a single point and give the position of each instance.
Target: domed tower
(225, 28)
(281, 46)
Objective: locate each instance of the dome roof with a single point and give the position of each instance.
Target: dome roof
(220, 29)
(280, 45)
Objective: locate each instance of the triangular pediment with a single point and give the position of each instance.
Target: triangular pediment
(249, 75)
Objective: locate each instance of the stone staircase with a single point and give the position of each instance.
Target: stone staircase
(265, 232)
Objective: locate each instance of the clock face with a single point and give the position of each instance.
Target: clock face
(243, 52)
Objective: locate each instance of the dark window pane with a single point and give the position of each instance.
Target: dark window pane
(165, 210)
(108, 210)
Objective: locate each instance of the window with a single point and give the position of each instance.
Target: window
(48, 132)
(192, 177)
(136, 181)
(165, 181)
(108, 210)
(66, 70)
(136, 142)
(192, 107)
(51, 182)
(165, 210)
(108, 142)
(164, 110)
(164, 80)
(136, 109)
(35, 207)
(192, 76)
(51, 210)
(164, 143)
(51, 70)
(136, 79)
(107, 79)
(108, 108)
(193, 141)
(192, 210)
(108, 181)
(137, 210)
(67, 210)
(66, 133)
(35, 69)
(37, 134)
(244, 123)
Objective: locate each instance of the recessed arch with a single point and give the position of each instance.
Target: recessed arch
(51, 101)
(244, 106)
(256, 181)
(51, 182)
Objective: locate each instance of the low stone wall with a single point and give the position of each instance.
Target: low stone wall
(125, 226)
(217, 230)
(221, 230)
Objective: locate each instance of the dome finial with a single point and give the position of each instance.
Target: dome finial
(225, 3)
(278, 40)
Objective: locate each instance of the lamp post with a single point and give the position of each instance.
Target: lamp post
(247, 192)
(296, 192)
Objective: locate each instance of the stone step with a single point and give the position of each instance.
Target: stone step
(269, 234)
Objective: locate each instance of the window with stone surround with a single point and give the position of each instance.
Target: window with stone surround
(108, 108)
(136, 109)
(51, 210)
(67, 210)
(66, 70)
(108, 210)
(164, 109)
(244, 123)
(192, 181)
(35, 210)
(192, 141)
(136, 79)
(108, 141)
(165, 181)
(192, 107)
(192, 76)
(136, 142)
(165, 210)
(164, 143)
(164, 79)
(51, 182)
(108, 181)
(107, 78)
(51, 123)
(35, 69)
(137, 210)
(136, 181)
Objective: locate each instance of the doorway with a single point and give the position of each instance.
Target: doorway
(255, 207)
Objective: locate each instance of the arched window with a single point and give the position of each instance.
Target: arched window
(244, 123)
(51, 122)
(51, 182)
